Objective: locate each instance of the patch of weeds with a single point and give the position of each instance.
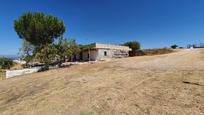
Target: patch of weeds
(2, 109)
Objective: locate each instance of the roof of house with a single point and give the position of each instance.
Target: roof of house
(110, 46)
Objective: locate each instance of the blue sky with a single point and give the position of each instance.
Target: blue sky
(155, 23)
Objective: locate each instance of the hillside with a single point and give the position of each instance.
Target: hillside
(163, 84)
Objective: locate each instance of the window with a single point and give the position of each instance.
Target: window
(105, 53)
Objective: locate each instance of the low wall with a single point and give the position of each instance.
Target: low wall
(13, 73)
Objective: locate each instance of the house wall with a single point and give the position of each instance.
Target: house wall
(111, 54)
(101, 56)
(97, 54)
(120, 53)
(93, 55)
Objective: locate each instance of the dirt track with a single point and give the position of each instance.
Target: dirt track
(166, 84)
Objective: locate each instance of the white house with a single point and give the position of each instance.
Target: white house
(102, 52)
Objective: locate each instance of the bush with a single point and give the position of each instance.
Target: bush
(136, 53)
(134, 45)
(44, 68)
(174, 46)
(157, 51)
(6, 63)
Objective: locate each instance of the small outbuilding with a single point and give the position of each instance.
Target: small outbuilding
(98, 51)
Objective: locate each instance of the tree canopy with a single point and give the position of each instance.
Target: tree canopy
(134, 45)
(47, 54)
(39, 32)
(66, 48)
(39, 29)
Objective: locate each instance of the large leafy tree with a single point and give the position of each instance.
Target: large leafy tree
(74, 47)
(39, 32)
(39, 29)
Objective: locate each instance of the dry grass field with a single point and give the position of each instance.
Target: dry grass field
(170, 84)
(2, 74)
(16, 67)
(151, 52)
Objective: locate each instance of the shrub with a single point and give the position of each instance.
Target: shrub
(44, 68)
(174, 46)
(157, 51)
(6, 63)
(134, 45)
(136, 53)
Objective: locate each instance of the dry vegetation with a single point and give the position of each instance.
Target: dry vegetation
(151, 52)
(16, 67)
(2, 74)
(170, 84)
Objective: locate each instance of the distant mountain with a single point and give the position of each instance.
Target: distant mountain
(10, 56)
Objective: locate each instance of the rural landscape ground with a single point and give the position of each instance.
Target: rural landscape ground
(171, 84)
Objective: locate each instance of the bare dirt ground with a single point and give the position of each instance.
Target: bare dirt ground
(171, 84)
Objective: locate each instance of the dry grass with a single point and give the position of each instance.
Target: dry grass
(2, 74)
(160, 51)
(16, 67)
(138, 85)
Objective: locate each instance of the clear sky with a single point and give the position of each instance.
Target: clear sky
(155, 23)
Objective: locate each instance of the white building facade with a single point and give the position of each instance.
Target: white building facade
(103, 52)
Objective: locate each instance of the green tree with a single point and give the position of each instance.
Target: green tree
(6, 63)
(39, 29)
(134, 45)
(47, 54)
(74, 47)
(26, 51)
(63, 49)
(67, 48)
